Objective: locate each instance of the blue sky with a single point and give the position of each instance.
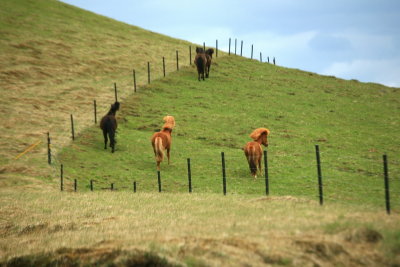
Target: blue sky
(350, 39)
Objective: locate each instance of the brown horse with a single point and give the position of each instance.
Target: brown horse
(200, 61)
(109, 126)
(162, 140)
(253, 150)
(209, 53)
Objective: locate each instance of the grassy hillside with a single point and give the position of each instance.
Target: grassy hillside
(354, 124)
(55, 60)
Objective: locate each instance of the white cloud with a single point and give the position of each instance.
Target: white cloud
(378, 71)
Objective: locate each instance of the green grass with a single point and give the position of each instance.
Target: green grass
(56, 59)
(353, 123)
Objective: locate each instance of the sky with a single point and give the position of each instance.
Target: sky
(349, 39)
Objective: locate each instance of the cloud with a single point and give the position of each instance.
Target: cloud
(329, 43)
(378, 71)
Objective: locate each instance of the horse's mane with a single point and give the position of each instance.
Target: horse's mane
(258, 132)
(169, 122)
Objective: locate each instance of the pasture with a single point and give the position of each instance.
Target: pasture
(299, 108)
(353, 123)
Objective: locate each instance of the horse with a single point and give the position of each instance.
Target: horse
(209, 53)
(253, 150)
(162, 140)
(200, 61)
(109, 125)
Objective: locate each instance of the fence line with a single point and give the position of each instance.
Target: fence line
(309, 186)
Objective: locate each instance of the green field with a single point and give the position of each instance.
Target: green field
(57, 59)
(301, 109)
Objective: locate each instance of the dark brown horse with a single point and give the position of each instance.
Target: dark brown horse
(253, 150)
(209, 53)
(200, 61)
(162, 140)
(109, 126)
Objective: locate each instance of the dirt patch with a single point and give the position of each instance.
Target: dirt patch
(363, 235)
(32, 229)
(90, 257)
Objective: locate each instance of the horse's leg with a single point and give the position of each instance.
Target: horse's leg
(105, 138)
(112, 139)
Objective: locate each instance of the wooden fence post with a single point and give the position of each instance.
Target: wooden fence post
(223, 173)
(266, 173)
(189, 175)
(72, 127)
(148, 72)
(134, 81)
(159, 181)
(163, 63)
(48, 148)
(321, 196)
(115, 91)
(386, 178)
(62, 178)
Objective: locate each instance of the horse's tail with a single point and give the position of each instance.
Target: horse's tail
(158, 150)
(252, 160)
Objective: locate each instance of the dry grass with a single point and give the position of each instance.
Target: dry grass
(192, 229)
(55, 60)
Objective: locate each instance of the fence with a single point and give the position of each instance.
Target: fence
(315, 179)
(311, 177)
(134, 86)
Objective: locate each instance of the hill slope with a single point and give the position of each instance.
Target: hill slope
(55, 60)
(354, 124)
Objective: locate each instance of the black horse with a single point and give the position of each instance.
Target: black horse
(209, 53)
(201, 61)
(109, 126)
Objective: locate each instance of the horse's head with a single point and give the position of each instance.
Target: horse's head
(199, 50)
(169, 122)
(260, 135)
(210, 52)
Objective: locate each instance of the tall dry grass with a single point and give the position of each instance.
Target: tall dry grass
(195, 228)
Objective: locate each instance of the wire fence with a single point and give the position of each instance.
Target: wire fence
(364, 182)
(345, 178)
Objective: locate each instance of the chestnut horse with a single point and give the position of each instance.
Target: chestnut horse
(209, 53)
(109, 125)
(162, 140)
(200, 61)
(253, 150)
